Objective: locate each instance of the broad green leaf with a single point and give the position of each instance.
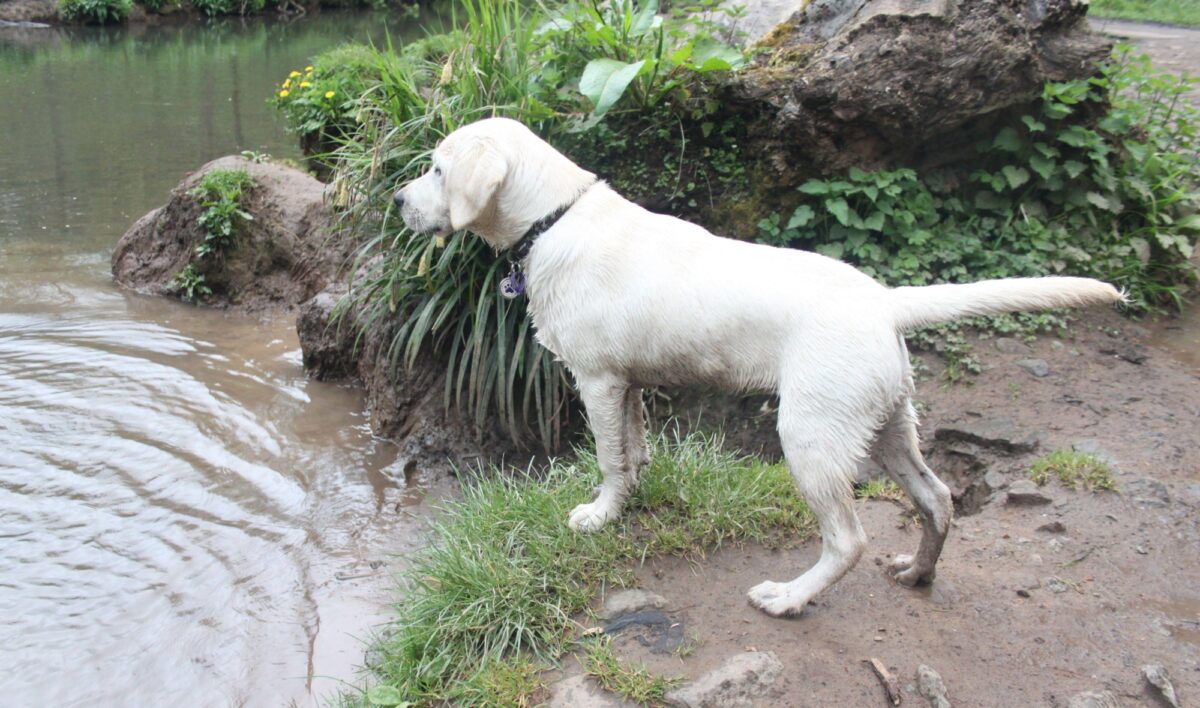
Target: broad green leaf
(384, 695)
(604, 82)
(1044, 166)
(1007, 140)
(1100, 201)
(1074, 168)
(1034, 125)
(801, 217)
(711, 55)
(874, 222)
(1016, 176)
(1190, 222)
(840, 210)
(815, 186)
(646, 19)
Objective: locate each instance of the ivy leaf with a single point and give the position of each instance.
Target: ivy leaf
(1007, 140)
(604, 82)
(874, 222)
(803, 216)
(1016, 176)
(1044, 166)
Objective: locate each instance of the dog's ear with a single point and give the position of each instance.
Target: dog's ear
(474, 177)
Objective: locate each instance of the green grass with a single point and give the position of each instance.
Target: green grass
(635, 683)
(1171, 12)
(1073, 470)
(504, 579)
(879, 489)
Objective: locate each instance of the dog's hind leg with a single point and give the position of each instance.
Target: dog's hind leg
(605, 399)
(637, 453)
(821, 455)
(897, 451)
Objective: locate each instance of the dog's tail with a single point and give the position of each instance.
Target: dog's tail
(918, 306)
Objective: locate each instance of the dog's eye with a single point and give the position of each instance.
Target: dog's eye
(437, 171)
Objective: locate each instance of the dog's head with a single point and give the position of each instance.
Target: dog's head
(493, 177)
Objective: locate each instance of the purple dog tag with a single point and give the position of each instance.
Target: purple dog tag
(513, 285)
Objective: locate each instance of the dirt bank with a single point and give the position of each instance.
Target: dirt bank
(1021, 614)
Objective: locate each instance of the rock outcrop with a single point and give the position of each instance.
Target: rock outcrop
(281, 258)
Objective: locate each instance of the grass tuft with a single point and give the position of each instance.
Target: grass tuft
(1074, 470)
(504, 575)
(635, 684)
(879, 489)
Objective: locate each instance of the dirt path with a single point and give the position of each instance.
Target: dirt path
(1019, 616)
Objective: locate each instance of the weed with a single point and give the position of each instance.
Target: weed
(635, 684)
(220, 193)
(190, 283)
(94, 11)
(879, 489)
(1073, 470)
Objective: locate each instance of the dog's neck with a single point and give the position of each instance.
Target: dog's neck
(534, 189)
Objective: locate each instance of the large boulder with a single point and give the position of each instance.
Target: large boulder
(876, 83)
(281, 258)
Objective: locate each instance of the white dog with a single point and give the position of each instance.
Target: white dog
(628, 299)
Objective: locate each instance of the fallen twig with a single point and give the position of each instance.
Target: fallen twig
(887, 678)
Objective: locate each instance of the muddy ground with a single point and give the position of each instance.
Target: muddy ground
(1017, 616)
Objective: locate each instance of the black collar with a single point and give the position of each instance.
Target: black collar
(521, 248)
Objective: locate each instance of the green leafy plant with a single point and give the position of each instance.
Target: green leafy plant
(94, 11)
(1116, 201)
(635, 683)
(220, 193)
(212, 8)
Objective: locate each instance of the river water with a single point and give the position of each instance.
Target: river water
(185, 519)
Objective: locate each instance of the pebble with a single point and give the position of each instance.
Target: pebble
(1158, 677)
(1094, 699)
(1037, 367)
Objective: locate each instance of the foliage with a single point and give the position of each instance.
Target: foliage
(633, 684)
(506, 59)
(220, 193)
(1117, 201)
(152, 5)
(1174, 12)
(190, 283)
(1074, 470)
(94, 11)
(505, 575)
(212, 8)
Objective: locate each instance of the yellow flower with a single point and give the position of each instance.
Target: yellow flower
(294, 74)
(283, 93)
(287, 84)
(329, 94)
(308, 69)
(304, 84)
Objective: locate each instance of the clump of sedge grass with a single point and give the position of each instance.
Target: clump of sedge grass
(1073, 470)
(635, 683)
(505, 575)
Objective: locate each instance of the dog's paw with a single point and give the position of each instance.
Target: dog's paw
(589, 517)
(901, 568)
(774, 599)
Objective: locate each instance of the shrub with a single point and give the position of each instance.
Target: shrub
(1116, 201)
(212, 8)
(94, 11)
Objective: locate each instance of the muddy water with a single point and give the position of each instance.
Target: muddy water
(184, 518)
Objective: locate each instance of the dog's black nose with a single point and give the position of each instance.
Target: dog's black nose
(399, 198)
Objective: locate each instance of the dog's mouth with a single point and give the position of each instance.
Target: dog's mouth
(418, 225)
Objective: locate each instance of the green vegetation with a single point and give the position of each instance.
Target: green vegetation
(497, 592)
(631, 683)
(94, 11)
(220, 193)
(228, 7)
(1073, 470)
(879, 489)
(1116, 201)
(1172, 12)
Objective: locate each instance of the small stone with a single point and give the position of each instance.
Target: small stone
(1158, 677)
(737, 682)
(1140, 550)
(1025, 493)
(999, 434)
(1147, 492)
(1022, 592)
(1055, 585)
(1053, 527)
(931, 686)
(1094, 699)
(1132, 353)
(580, 692)
(1009, 345)
(1037, 367)
(626, 602)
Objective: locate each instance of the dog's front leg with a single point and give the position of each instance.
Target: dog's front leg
(604, 397)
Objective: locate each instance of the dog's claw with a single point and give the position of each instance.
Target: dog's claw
(774, 599)
(588, 517)
(901, 568)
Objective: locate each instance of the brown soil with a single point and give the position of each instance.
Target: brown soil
(1125, 567)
